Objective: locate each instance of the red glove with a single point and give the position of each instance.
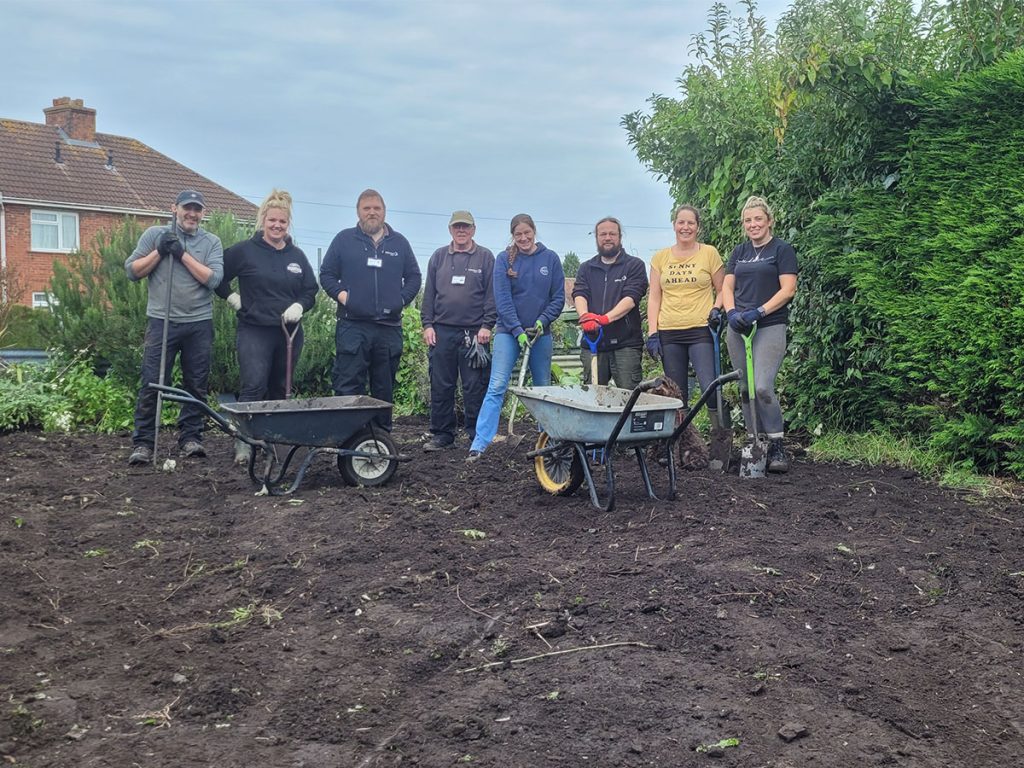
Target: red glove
(589, 322)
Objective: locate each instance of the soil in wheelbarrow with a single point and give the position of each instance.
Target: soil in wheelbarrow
(835, 616)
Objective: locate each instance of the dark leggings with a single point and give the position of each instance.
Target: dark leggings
(677, 358)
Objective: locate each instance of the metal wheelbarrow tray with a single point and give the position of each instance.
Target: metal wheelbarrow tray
(579, 419)
(342, 425)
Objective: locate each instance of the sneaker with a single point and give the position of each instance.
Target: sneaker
(437, 443)
(142, 454)
(193, 449)
(473, 456)
(242, 452)
(778, 461)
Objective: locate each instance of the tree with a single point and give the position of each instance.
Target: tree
(570, 264)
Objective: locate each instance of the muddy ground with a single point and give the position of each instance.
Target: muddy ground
(835, 616)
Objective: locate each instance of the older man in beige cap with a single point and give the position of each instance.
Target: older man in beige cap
(458, 314)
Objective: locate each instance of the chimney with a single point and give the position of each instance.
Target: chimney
(77, 120)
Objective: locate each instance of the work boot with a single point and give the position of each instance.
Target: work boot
(142, 454)
(437, 443)
(242, 452)
(193, 449)
(778, 461)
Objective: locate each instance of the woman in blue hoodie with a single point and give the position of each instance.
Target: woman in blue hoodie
(529, 291)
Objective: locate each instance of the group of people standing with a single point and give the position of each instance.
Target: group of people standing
(479, 313)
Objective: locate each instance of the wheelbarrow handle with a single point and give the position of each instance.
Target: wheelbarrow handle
(177, 395)
(713, 388)
(649, 384)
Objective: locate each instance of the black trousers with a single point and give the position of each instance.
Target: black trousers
(367, 354)
(448, 364)
(262, 361)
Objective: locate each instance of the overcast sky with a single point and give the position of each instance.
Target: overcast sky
(496, 106)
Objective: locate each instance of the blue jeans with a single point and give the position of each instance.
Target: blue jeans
(263, 360)
(503, 361)
(194, 342)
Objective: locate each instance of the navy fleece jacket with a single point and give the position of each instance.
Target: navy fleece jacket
(381, 279)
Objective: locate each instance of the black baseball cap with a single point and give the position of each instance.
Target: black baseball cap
(190, 196)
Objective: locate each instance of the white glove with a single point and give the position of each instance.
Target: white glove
(293, 314)
(234, 301)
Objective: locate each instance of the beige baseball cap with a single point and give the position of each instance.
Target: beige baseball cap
(462, 217)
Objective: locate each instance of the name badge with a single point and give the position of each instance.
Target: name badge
(374, 262)
(458, 279)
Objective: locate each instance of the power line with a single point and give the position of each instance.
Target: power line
(446, 215)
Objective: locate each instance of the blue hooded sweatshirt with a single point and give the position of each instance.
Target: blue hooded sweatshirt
(536, 292)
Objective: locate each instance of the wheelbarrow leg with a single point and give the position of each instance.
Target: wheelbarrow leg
(609, 469)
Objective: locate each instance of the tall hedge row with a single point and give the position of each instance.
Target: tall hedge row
(913, 310)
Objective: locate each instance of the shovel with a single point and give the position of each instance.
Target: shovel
(163, 346)
(597, 454)
(753, 456)
(721, 429)
(289, 340)
(522, 380)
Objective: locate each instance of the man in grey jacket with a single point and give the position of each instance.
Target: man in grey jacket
(186, 262)
(458, 315)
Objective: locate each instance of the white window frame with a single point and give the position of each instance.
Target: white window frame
(62, 247)
(42, 300)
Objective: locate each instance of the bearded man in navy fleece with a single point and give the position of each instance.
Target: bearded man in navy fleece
(371, 272)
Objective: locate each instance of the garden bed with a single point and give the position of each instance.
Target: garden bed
(835, 616)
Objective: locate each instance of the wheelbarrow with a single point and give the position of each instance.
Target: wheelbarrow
(341, 425)
(576, 420)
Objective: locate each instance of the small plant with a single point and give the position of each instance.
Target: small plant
(723, 744)
(100, 552)
(500, 647)
(552, 696)
(472, 533)
(150, 544)
(19, 522)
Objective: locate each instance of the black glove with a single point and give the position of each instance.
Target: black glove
(715, 317)
(478, 355)
(738, 322)
(170, 245)
(654, 346)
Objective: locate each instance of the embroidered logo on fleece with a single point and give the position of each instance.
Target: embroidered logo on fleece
(294, 268)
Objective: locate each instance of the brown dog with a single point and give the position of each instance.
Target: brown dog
(692, 451)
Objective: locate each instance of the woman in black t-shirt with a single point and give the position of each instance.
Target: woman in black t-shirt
(760, 281)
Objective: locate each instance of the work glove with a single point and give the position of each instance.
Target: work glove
(523, 339)
(477, 355)
(654, 346)
(737, 321)
(234, 301)
(293, 314)
(536, 330)
(715, 318)
(751, 316)
(590, 322)
(170, 245)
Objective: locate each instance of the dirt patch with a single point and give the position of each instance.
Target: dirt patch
(836, 616)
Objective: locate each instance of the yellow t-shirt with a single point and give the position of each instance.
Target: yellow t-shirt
(687, 293)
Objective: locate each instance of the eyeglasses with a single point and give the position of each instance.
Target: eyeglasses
(461, 225)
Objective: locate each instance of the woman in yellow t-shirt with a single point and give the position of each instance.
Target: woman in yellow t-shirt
(686, 287)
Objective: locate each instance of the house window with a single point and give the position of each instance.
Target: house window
(54, 231)
(42, 300)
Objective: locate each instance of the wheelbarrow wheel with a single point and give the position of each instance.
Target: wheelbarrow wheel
(561, 471)
(360, 470)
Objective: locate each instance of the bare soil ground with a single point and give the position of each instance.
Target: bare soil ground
(836, 616)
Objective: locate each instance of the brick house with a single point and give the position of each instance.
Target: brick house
(61, 183)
